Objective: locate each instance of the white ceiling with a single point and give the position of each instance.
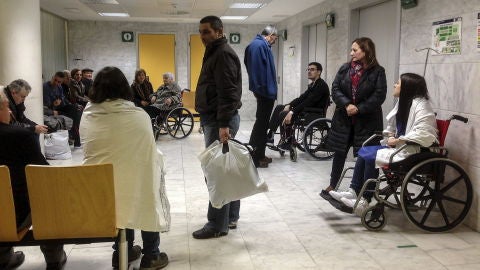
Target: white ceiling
(177, 11)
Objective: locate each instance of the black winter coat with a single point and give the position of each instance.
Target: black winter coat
(219, 87)
(371, 93)
(18, 113)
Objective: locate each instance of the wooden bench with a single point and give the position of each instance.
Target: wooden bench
(69, 205)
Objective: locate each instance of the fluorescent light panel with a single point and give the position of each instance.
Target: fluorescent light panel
(112, 14)
(233, 17)
(247, 5)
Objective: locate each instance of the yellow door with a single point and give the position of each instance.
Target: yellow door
(196, 56)
(156, 54)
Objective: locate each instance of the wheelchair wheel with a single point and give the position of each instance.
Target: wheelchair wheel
(314, 139)
(436, 195)
(179, 122)
(293, 153)
(374, 218)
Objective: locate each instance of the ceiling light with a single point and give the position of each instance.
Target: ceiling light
(73, 10)
(112, 14)
(247, 5)
(233, 17)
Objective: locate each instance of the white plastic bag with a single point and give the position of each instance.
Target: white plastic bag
(231, 175)
(56, 145)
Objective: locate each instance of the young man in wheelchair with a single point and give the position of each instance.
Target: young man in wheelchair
(412, 120)
(315, 98)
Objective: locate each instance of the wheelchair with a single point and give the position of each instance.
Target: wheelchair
(307, 133)
(178, 122)
(433, 192)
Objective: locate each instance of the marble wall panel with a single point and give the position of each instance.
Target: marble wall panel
(99, 44)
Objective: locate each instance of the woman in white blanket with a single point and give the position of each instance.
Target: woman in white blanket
(411, 120)
(115, 131)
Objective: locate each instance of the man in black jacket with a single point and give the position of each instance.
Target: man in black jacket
(20, 147)
(217, 99)
(16, 93)
(316, 96)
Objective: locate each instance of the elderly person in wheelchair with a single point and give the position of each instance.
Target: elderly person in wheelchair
(315, 98)
(412, 122)
(167, 97)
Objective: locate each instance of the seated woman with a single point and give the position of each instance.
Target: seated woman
(411, 120)
(142, 89)
(77, 89)
(167, 97)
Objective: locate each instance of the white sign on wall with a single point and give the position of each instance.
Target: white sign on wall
(447, 36)
(478, 32)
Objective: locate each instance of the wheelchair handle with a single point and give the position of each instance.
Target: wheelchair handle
(459, 118)
(390, 160)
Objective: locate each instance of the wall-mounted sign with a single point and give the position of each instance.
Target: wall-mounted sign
(447, 36)
(127, 36)
(330, 20)
(478, 32)
(234, 38)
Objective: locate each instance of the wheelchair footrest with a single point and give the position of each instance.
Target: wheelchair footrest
(340, 206)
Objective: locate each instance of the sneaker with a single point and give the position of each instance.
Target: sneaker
(361, 206)
(338, 195)
(133, 254)
(205, 233)
(58, 265)
(232, 225)
(155, 262)
(15, 261)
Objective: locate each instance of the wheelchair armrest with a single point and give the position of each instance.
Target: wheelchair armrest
(390, 161)
(313, 110)
(375, 135)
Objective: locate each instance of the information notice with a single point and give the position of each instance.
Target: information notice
(447, 36)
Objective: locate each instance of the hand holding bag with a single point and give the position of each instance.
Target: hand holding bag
(230, 173)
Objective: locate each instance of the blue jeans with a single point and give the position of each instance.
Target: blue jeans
(218, 219)
(364, 170)
(151, 242)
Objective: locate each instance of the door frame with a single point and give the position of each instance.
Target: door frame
(304, 58)
(353, 22)
(137, 43)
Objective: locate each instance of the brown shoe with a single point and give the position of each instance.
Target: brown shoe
(267, 159)
(262, 164)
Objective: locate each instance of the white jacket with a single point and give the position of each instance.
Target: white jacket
(421, 128)
(117, 132)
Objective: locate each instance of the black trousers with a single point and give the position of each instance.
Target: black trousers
(258, 138)
(338, 162)
(276, 120)
(71, 111)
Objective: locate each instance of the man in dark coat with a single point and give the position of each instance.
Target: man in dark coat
(20, 147)
(16, 93)
(217, 99)
(317, 96)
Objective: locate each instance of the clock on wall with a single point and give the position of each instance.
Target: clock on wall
(330, 20)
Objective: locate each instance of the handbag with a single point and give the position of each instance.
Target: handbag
(56, 145)
(230, 173)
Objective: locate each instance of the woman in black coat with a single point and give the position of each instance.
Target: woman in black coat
(359, 89)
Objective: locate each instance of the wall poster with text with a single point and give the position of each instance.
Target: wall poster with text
(478, 32)
(447, 36)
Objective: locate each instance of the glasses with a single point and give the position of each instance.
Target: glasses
(311, 69)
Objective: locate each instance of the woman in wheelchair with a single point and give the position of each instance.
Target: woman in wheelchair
(412, 120)
(167, 97)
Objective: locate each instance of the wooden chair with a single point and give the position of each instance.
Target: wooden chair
(8, 224)
(69, 205)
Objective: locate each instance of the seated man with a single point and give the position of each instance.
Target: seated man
(317, 96)
(167, 97)
(16, 93)
(19, 148)
(55, 103)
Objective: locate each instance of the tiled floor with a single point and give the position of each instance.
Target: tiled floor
(290, 227)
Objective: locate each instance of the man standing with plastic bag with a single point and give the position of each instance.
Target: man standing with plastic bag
(217, 99)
